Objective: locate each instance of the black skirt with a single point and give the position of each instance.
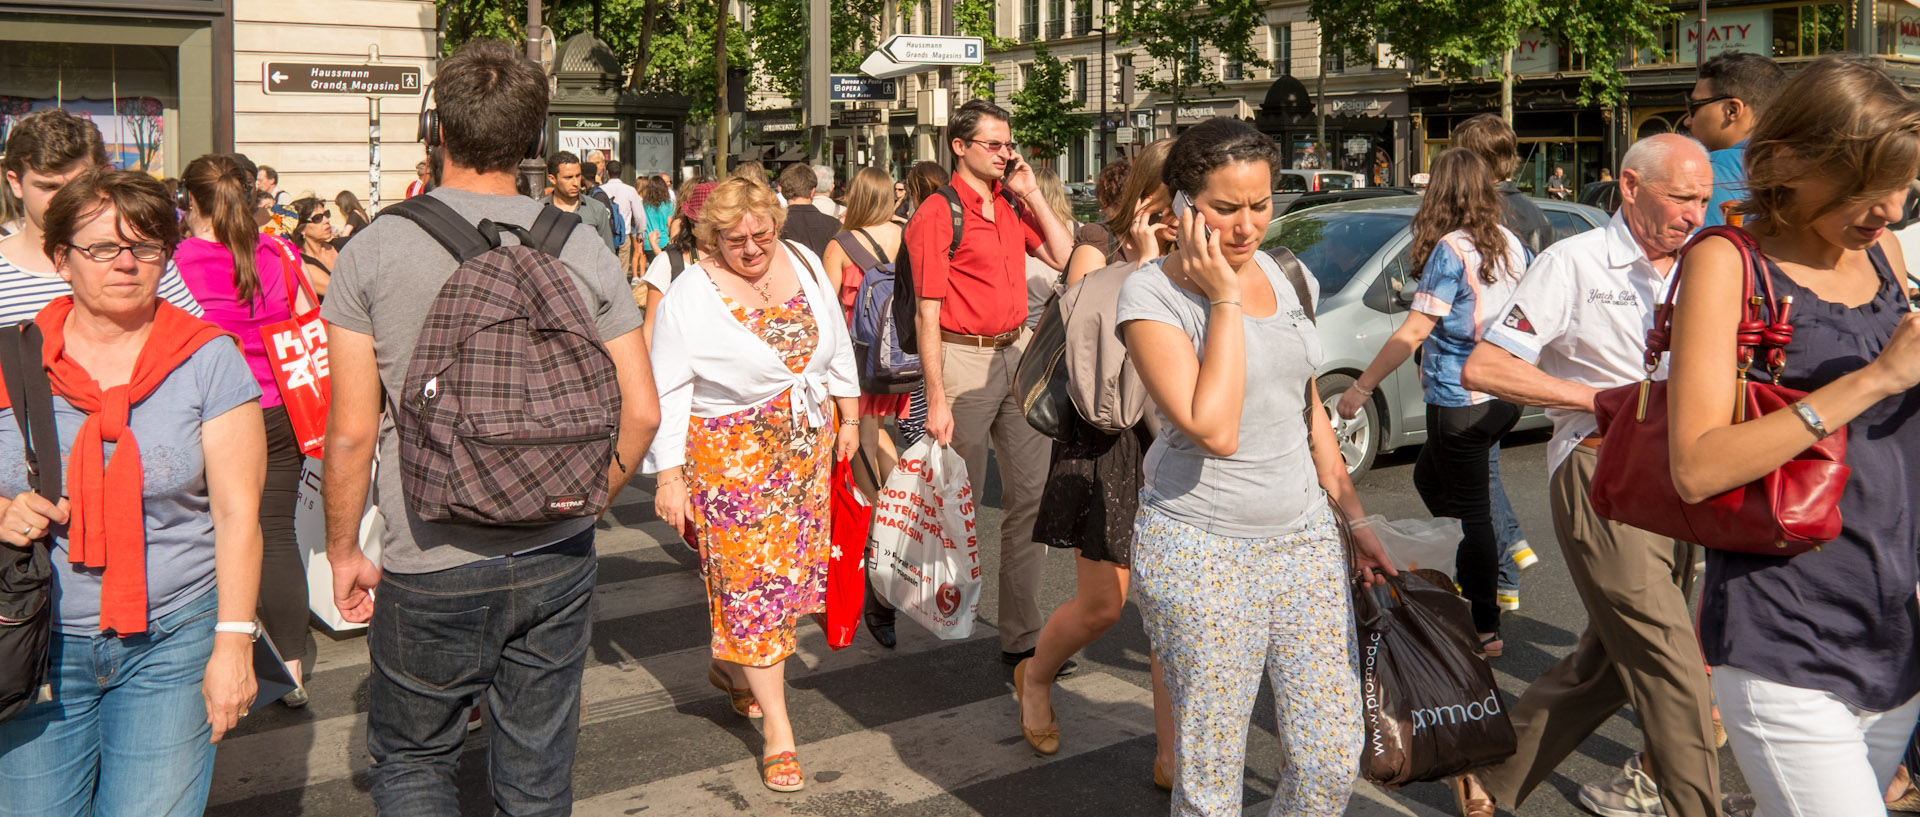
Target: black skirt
(1093, 491)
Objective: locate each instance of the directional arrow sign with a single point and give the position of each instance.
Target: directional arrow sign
(878, 66)
(375, 79)
(917, 48)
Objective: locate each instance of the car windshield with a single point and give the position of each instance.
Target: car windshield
(1335, 181)
(1334, 245)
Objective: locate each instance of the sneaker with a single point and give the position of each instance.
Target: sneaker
(473, 718)
(1737, 805)
(1508, 598)
(1632, 794)
(1522, 555)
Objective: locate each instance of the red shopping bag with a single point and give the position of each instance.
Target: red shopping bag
(846, 571)
(297, 348)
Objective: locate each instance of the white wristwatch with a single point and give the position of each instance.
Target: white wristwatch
(250, 629)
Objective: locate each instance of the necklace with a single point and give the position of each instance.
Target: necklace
(763, 286)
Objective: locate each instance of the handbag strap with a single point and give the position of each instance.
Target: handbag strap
(294, 275)
(1763, 327)
(32, 397)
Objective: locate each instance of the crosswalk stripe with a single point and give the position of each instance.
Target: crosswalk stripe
(334, 748)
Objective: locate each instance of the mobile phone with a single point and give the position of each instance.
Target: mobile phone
(1183, 205)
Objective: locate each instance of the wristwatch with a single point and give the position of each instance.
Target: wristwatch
(1811, 418)
(250, 629)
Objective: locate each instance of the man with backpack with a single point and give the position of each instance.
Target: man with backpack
(967, 247)
(569, 182)
(499, 338)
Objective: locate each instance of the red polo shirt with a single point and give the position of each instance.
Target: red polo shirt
(984, 290)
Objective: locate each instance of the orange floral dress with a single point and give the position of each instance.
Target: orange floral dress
(758, 481)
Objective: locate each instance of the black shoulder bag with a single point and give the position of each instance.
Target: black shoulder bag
(26, 576)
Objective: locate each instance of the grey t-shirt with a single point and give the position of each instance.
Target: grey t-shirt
(1268, 487)
(383, 285)
(595, 215)
(174, 499)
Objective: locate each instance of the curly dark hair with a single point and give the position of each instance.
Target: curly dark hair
(1110, 185)
(1461, 197)
(1211, 145)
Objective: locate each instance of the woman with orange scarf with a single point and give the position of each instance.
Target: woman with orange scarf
(156, 544)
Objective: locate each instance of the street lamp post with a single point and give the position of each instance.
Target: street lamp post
(1102, 164)
(533, 170)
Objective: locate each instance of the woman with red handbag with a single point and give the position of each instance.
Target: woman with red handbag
(235, 272)
(1814, 664)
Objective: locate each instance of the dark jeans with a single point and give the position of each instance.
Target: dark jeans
(1451, 476)
(515, 629)
(283, 573)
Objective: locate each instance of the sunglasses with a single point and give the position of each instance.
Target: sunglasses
(1694, 105)
(995, 147)
(319, 218)
(106, 251)
(764, 239)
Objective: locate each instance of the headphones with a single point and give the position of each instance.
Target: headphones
(429, 131)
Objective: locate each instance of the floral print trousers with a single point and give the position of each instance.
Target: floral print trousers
(1218, 610)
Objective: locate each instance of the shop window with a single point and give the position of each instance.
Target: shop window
(1809, 31)
(129, 91)
(1280, 49)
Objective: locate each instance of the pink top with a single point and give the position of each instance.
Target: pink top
(207, 268)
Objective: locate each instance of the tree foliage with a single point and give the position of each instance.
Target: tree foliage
(1460, 38)
(1044, 123)
(1173, 32)
(780, 39)
(974, 18)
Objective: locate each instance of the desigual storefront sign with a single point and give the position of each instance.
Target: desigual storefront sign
(1197, 111)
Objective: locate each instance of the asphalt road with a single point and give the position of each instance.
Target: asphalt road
(927, 730)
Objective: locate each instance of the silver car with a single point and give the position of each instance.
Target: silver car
(1362, 254)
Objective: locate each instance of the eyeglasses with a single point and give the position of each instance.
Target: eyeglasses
(1694, 105)
(106, 251)
(995, 147)
(318, 218)
(764, 239)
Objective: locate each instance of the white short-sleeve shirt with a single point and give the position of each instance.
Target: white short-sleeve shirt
(1581, 314)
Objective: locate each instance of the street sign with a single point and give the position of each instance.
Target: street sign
(375, 79)
(930, 50)
(869, 116)
(1123, 136)
(856, 88)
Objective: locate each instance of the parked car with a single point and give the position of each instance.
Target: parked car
(1361, 253)
(1308, 200)
(1604, 195)
(1314, 181)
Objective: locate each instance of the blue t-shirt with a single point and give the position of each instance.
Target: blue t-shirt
(175, 501)
(1729, 180)
(1453, 291)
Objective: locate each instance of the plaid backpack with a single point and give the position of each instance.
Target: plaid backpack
(510, 406)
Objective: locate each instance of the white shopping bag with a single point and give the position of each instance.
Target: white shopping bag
(310, 531)
(922, 556)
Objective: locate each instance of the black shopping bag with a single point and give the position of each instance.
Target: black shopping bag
(1429, 701)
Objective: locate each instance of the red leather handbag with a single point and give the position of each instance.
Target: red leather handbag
(1793, 509)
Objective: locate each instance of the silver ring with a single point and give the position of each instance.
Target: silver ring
(26, 530)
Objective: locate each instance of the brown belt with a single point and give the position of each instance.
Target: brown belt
(1001, 340)
(1591, 441)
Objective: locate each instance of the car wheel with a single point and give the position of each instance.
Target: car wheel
(1359, 437)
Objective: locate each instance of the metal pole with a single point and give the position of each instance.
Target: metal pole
(1700, 41)
(720, 99)
(373, 154)
(1102, 163)
(945, 148)
(533, 170)
(819, 47)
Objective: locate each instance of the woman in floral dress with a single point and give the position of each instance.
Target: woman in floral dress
(753, 362)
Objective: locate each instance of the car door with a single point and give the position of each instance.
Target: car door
(1396, 286)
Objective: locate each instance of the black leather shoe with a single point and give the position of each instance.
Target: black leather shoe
(881, 625)
(1013, 658)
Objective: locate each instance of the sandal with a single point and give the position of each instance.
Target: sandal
(742, 699)
(1045, 740)
(1474, 807)
(785, 764)
(1490, 645)
(1161, 780)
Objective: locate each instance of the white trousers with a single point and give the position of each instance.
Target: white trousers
(1807, 753)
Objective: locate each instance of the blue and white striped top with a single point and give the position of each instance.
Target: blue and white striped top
(23, 294)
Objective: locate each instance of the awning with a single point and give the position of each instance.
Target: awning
(793, 154)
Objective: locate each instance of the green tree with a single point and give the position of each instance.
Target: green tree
(974, 18)
(1043, 121)
(780, 39)
(1460, 38)
(1172, 33)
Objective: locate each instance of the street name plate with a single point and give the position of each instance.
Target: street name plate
(857, 88)
(929, 50)
(1123, 136)
(340, 80)
(869, 116)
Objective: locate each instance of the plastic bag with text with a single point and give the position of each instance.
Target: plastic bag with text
(922, 555)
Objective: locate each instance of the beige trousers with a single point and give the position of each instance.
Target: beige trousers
(980, 393)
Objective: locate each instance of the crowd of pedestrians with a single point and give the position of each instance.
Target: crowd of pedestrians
(708, 336)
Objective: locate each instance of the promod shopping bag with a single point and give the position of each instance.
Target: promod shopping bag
(846, 564)
(1428, 701)
(297, 348)
(925, 560)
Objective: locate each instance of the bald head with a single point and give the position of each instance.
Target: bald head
(1665, 182)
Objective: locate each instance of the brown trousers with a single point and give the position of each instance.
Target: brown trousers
(980, 393)
(1639, 648)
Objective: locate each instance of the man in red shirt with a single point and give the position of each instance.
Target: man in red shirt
(971, 312)
(419, 184)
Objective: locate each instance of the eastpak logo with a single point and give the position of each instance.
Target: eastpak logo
(571, 503)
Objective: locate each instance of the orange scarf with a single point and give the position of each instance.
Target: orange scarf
(107, 528)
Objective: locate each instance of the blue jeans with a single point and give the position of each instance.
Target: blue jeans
(126, 732)
(1505, 524)
(514, 629)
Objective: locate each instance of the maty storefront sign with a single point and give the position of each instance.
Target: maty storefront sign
(1729, 31)
(1907, 37)
(1536, 53)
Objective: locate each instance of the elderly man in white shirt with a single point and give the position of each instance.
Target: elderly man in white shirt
(823, 192)
(628, 200)
(1577, 325)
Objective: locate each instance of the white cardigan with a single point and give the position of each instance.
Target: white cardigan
(707, 364)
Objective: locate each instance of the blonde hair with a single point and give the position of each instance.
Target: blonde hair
(732, 201)
(1055, 194)
(869, 199)
(1840, 117)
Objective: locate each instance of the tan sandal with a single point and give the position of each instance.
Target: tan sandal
(782, 765)
(742, 699)
(1046, 739)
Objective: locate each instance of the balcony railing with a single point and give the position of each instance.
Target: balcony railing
(1056, 28)
(1029, 32)
(1082, 25)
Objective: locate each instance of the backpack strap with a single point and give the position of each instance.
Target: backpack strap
(552, 228)
(876, 245)
(676, 264)
(959, 216)
(32, 398)
(445, 225)
(1296, 275)
(856, 252)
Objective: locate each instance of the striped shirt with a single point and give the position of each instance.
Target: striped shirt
(23, 294)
